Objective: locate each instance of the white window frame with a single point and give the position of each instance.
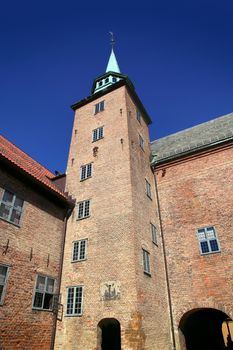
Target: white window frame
(100, 106)
(85, 171)
(11, 207)
(43, 291)
(203, 236)
(77, 251)
(4, 283)
(148, 189)
(153, 230)
(86, 205)
(98, 134)
(72, 308)
(141, 141)
(146, 262)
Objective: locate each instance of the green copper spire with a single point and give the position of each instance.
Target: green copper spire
(112, 63)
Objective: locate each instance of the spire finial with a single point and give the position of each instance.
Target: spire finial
(112, 40)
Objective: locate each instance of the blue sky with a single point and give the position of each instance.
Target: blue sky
(179, 55)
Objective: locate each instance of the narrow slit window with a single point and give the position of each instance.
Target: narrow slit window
(3, 281)
(153, 234)
(146, 261)
(148, 189)
(141, 142)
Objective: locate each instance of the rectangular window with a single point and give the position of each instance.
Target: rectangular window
(138, 115)
(79, 250)
(208, 241)
(148, 189)
(11, 207)
(74, 301)
(3, 279)
(44, 291)
(86, 171)
(99, 107)
(98, 134)
(153, 233)
(83, 209)
(141, 142)
(146, 261)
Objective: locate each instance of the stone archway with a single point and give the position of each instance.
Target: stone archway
(202, 329)
(109, 334)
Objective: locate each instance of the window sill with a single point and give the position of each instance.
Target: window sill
(210, 253)
(149, 196)
(77, 261)
(147, 273)
(97, 140)
(155, 243)
(89, 177)
(37, 309)
(78, 315)
(83, 218)
(10, 222)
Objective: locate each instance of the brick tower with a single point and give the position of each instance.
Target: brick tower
(113, 284)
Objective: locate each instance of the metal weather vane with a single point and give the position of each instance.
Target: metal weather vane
(112, 40)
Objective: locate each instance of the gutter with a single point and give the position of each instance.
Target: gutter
(69, 211)
(166, 265)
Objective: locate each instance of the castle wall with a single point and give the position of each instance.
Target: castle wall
(33, 247)
(194, 193)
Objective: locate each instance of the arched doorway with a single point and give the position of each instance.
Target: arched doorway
(202, 329)
(109, 334)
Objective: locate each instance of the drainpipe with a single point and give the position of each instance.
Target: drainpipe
(165, 264)
(69, 210)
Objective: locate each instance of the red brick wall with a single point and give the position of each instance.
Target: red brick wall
(196, 193)
(41, 229)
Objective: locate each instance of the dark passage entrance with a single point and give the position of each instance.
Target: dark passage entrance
(110, 334)
(202, 329)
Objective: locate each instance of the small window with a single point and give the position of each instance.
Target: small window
(44, 292)
(74, 301)
(138, 115)
(146, 261)
(148, 189)
(3, 280)
(83, 209)
(98, 134)
(11, 207)
(153, 234)
(114, 79)
(86, 171)
(208, 241)
(100, 83)
(99, 107)
(106, 80)
(79, 250)
(141, 142)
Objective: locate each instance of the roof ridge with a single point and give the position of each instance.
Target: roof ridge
(192, 127)
(34, 160)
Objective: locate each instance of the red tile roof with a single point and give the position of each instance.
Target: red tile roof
(25, 163)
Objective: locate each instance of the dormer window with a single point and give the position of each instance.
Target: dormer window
(100, 83)
(106, 80)
(114, 79)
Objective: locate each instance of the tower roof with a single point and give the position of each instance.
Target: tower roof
(112, 63)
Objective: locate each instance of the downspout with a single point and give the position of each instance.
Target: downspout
(69, 210)
(166, 265)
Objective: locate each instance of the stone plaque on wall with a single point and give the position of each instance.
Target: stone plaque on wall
(110, 290)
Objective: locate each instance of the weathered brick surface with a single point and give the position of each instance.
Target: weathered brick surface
(196, 193)
(118, 228)
(41, 229)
